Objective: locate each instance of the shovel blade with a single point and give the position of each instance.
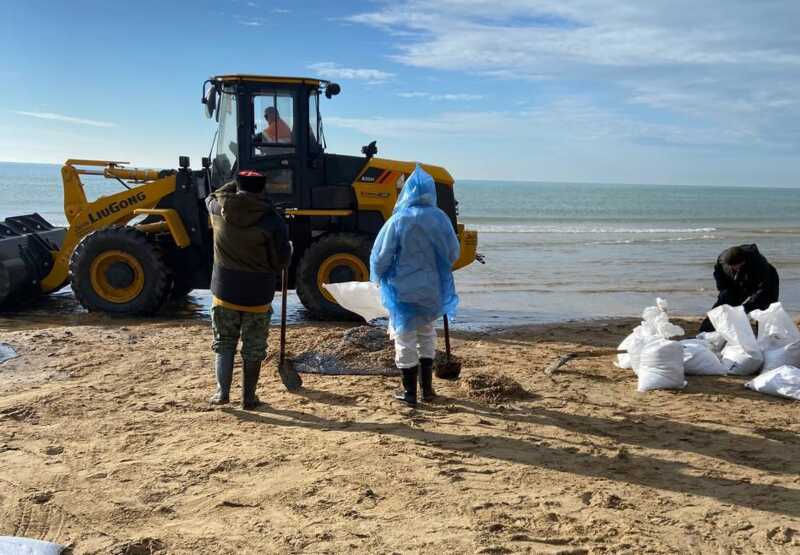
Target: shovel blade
(289, 376)
(450, 370)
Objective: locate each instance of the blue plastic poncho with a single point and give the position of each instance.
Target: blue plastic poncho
(413, 256)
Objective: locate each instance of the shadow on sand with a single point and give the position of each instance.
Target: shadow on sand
(760, 453)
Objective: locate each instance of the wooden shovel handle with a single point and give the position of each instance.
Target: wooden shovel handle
(284, 287)
(447, 337)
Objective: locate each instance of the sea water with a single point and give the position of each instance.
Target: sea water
(558, 251)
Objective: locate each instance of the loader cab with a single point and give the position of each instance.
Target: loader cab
(271, 125)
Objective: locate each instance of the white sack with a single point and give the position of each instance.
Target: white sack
(361, 297)
(781, 355)
(661, 366)
(783, 382)
(778, 337)
(775, 324)
(655, 320)
(699, 360)
(741, 355)
(714, 340)
(10, 545)
(633, 345)
(655, 325)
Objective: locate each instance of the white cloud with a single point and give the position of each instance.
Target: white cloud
(66, 119)
(330, 70)
(441, 96)
(281, 11)
(572, 121)
(728, 65)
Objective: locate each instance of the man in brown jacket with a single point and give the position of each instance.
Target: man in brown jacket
(251, 247)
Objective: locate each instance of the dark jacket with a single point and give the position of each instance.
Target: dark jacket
(755, 285)
(251, 246)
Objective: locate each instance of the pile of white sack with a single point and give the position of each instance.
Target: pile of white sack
(661, 362)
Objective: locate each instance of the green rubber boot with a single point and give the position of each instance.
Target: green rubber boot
(223, 367)
(251, 372)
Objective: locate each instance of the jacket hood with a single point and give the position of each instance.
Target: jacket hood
(418, 190)
(242, 209)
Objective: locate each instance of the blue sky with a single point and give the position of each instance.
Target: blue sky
(549, 90)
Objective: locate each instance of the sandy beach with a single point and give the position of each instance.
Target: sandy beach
(107, 444)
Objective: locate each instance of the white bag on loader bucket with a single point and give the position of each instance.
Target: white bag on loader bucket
(778, 337)
(661, 366)
(741, 356)
(700, 360)
(361, 297)
(655, 325)
(783, 382)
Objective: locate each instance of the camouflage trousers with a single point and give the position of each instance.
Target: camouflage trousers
(228, 325)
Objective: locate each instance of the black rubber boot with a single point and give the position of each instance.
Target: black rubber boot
(409, 393)
(426, 379)
(223, 367)
(250, 372)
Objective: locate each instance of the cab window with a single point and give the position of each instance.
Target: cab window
(274, 124)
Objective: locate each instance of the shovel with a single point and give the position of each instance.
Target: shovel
(451, 369)
(289, 376)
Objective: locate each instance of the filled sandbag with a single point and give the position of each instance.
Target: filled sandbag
(780, 354)
(778, 337)
(655, 325)
(714, 340)
(774, 323)
(661, 366)
(782, 382)
(632, 345)
(700, 360)
(12, 545)
(741, 354)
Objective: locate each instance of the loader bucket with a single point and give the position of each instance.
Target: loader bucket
(27, 245)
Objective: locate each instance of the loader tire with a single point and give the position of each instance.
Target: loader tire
(118, 271)
(335, 258)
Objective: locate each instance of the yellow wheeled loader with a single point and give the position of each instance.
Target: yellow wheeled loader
(128, 252)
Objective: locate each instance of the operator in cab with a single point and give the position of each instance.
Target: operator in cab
(744, 277)
(277, 130)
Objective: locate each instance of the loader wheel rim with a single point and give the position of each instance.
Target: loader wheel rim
(339, 268)
(117, 276)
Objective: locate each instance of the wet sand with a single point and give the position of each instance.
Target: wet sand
(107, 443)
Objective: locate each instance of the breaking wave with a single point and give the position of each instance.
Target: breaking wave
(527, 228)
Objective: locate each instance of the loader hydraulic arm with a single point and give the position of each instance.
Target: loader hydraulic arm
(85, 217)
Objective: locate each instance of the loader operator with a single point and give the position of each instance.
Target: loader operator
(277, 130)
(411, 260)
(744, 277)
(251, 247)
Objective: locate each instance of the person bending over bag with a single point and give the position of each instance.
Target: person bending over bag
(744, 277)
(412, 260)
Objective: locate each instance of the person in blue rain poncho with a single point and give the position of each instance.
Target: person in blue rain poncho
(412, 260)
